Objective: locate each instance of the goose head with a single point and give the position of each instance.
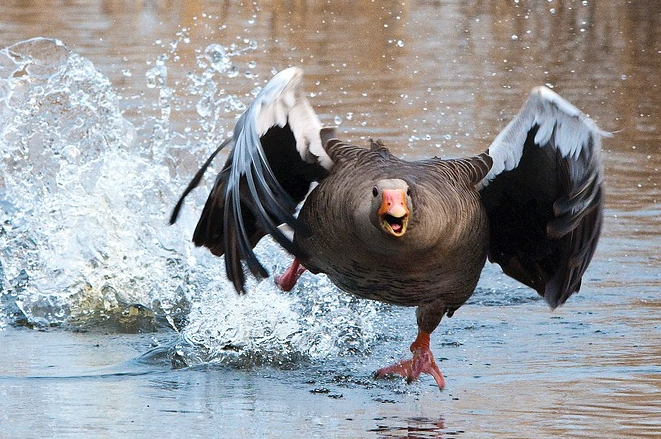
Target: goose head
(391, 206)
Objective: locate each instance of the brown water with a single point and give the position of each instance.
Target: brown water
(429, 78)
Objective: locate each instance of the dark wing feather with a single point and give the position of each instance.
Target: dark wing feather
(195, 181)
(544, 196)
(277, 155)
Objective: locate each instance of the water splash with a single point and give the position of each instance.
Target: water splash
(73, 192)
(84, 197)
(268, 326)
(212, 103)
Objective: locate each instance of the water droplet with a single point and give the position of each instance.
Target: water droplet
(234, 104)
(337, 120)
(217, 56)
(156, 76)
(204, 106)
(164, 102)
(232, 72)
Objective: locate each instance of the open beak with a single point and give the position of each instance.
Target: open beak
(393, 213)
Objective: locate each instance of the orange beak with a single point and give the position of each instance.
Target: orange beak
(393, 213)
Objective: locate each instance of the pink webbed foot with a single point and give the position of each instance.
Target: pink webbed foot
(288, 279)
(422, 362)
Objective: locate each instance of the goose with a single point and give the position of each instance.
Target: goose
(410, 233)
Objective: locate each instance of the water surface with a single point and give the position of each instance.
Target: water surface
(113, 324)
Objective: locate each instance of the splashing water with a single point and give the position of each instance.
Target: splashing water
(68, 232)
(268, 326)
(83, 236)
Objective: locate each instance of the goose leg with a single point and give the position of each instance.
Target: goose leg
(422, 362)
(287, 280)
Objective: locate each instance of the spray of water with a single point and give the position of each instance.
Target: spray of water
(84, 198)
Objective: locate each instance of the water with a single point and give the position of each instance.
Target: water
(113, 323)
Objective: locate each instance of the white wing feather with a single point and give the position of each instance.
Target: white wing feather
(282, 101)
(557, 120)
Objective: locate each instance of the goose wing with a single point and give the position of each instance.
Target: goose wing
(544, 195)
(277, 154)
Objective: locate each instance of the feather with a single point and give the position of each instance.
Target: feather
(544, 196)
(277, 154)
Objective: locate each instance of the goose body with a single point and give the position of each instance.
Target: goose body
(446, 217)
(410, 233)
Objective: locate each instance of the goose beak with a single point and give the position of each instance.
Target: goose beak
(393, 213)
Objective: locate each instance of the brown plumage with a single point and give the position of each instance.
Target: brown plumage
(446, 218)
(411, 233)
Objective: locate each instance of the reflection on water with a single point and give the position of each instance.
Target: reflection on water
(429, 78)
(417, 428)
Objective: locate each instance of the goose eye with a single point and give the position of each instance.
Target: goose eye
(408, 191)
(375, 191)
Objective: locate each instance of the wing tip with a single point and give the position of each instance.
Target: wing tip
(289, 75)
(545, 93)
(556, 298)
